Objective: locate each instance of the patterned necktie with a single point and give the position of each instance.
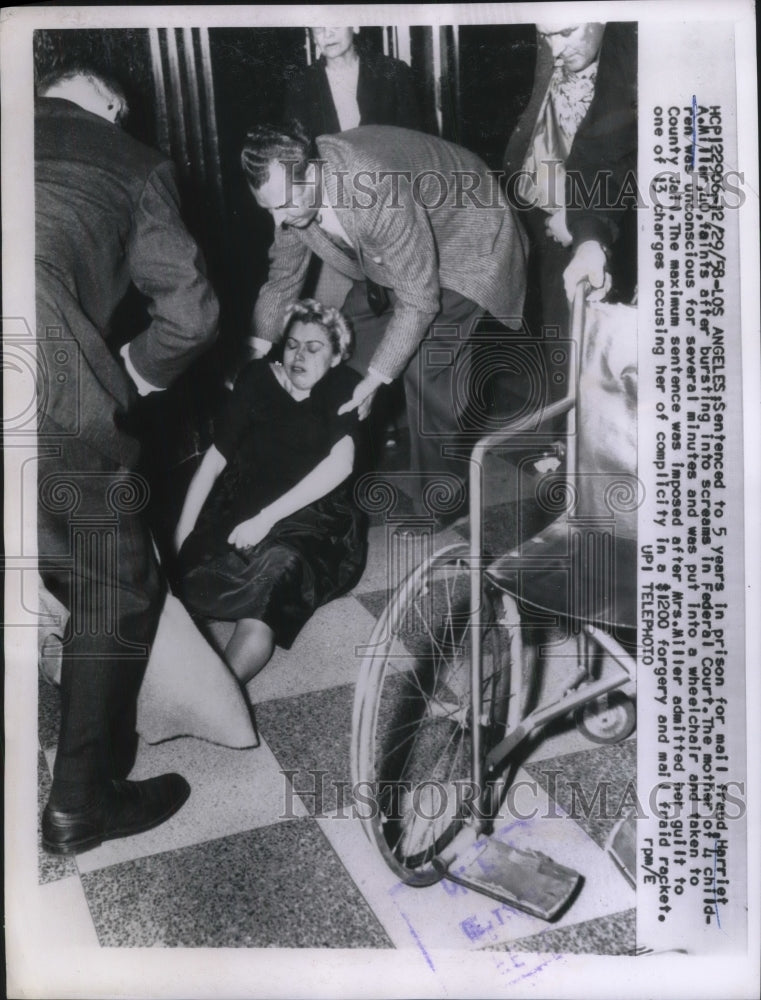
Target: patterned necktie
(563, 109)
(571, 95)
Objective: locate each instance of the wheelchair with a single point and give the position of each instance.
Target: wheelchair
(451, 688)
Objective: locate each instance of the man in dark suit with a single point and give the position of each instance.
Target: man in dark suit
(107, 214)
(423, 231)
(579, 130)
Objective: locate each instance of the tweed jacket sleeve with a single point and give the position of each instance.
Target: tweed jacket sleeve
(288, 263)
(398, 250)
(166, 265)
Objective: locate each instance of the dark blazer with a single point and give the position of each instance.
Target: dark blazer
(385, 95)
(107, 214)
(605, 141)
(414, 231)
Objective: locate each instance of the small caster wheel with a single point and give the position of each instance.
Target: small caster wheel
(608, 719)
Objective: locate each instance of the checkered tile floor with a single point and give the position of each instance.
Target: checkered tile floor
(266, 853)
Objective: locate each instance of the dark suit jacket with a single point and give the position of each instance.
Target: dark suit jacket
(470, 245)
(385, 95)
(107, 213)
(606, 141)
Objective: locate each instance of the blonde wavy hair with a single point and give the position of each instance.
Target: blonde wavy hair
(328, 318)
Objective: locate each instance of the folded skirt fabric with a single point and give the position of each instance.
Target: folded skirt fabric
(307, 559)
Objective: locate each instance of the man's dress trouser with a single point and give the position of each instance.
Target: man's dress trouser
(95, 555)
(436, 385)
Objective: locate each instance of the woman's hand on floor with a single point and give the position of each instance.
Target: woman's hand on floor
(252, 531)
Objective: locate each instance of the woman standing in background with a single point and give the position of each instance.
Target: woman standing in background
(349, 85)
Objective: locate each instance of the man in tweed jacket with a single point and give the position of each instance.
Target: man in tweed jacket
(422, 229)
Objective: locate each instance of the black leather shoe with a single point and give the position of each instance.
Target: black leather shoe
(123, 809)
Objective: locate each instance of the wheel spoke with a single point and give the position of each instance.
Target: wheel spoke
(416, 721)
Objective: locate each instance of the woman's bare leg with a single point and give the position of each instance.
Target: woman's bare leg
(250, 648)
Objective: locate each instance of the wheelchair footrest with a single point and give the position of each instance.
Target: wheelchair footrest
(526, 880)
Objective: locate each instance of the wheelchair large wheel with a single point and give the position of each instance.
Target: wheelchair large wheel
(411, 743)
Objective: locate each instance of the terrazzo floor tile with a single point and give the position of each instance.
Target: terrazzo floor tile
(448, 915)
(231, 790)
(394, 551)
(555, 740)
(505, 524)
(311, 735)
(370, 496)
(615, 934)
(62, 917)
(607, 772)
(374, 602)
(49, 867)
(324, 654)
(280, 886)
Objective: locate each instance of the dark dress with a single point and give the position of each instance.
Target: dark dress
(271, 441)
(385, 95)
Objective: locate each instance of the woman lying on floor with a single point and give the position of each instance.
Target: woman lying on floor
(269, 531)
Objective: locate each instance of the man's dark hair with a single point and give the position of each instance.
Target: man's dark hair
(265, 143)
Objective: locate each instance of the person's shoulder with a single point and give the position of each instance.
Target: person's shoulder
(339, 382)
(365, 139)
(383, 65)
(300, 77)
(254, 374)
(620, 32)
(142, 157)
(618, 51)
(101, 142)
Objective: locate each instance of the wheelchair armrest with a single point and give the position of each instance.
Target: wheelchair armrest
(528, 426)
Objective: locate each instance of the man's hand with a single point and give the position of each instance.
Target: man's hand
(363, 396)
(557, 229)
(252, 531)
(590, 262)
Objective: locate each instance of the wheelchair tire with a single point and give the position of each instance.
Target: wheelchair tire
(411, 740)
